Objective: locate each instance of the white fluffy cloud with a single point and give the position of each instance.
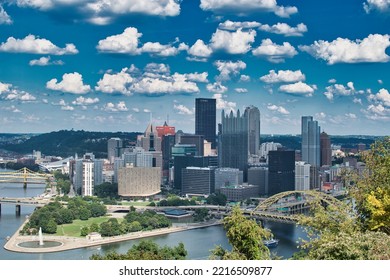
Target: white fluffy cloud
(197, 77)
(241, 90)
(383, 97)
(21, 96)
(216, 87)
(71, 82)
(235, 25)
(45, 61)
(227, 69)
(298, 88)
(338, 89)
(199, 51)
(279, 109)
(285, 29)
(115, 83)
(283, 76)
(4, 17)
(126, 42)
(82, 101)
(238, 42)
(182, 110)
(4, 87)
(378, 5)
(377, 112)
(370, 49)
(163, 50)
(100, 8)
(273, 52)
(243, 7)
(102, 12)
(35, 45)
(223, 104)
(155, 80)
(119, 107)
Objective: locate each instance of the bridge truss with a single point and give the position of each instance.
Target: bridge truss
(24, 175)
(288, 205)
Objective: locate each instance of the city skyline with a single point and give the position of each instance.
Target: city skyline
(85, 65)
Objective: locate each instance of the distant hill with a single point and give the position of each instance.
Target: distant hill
(66, 143)
(294, 141)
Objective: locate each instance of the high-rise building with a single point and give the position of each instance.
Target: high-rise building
(182, 162)
(205, 119)
(266, 147)
(259, 176)
(234, 140)
(253, 115)
(197, 140)
(149, 141)
(114, 147)
(88, 173)
(198, 180)
(227, 177)
(326, 150)
(310, 141)
(302, 176)
(167, 142)
(281, 176)
(165, 130)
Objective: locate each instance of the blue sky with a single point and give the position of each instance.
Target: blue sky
(111, 65)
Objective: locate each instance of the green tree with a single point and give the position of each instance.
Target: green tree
(50, 227)
(84, 231)
(336, 234)
(372, 190)
(246, 238)
(147, 250)
(106, 190)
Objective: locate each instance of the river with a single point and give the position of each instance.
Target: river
(197, 242)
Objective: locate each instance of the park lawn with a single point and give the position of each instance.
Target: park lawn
(135, 203)
(74, 229)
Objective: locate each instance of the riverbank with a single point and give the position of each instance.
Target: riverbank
(70, 243)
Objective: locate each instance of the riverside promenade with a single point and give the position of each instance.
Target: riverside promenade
(70, 243)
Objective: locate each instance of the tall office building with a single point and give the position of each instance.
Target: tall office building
(149, 141)
(197, 140)
(310, 141)
(239, 137)
(205, 119)
(258, 176)
(326, 150)
(114, 147)
(88, 173)
(198, 180)
(281, 176)
(165, 130)
(167, 142)
(302, 176)
(253, 115)
(227, 177)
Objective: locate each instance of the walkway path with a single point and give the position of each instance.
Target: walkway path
(69, 243)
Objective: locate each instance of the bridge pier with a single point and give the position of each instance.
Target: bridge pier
(25, 185)
(17, 209)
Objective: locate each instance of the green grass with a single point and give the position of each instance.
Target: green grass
(74, 229)
(135, 203)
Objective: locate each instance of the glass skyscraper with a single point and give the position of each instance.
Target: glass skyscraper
(205, 119)
(311, 141)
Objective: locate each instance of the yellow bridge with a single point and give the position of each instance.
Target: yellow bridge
(24, 176)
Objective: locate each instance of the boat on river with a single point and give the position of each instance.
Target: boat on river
(271, 243)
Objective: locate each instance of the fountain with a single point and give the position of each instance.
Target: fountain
(40, 243)
(40, 237)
